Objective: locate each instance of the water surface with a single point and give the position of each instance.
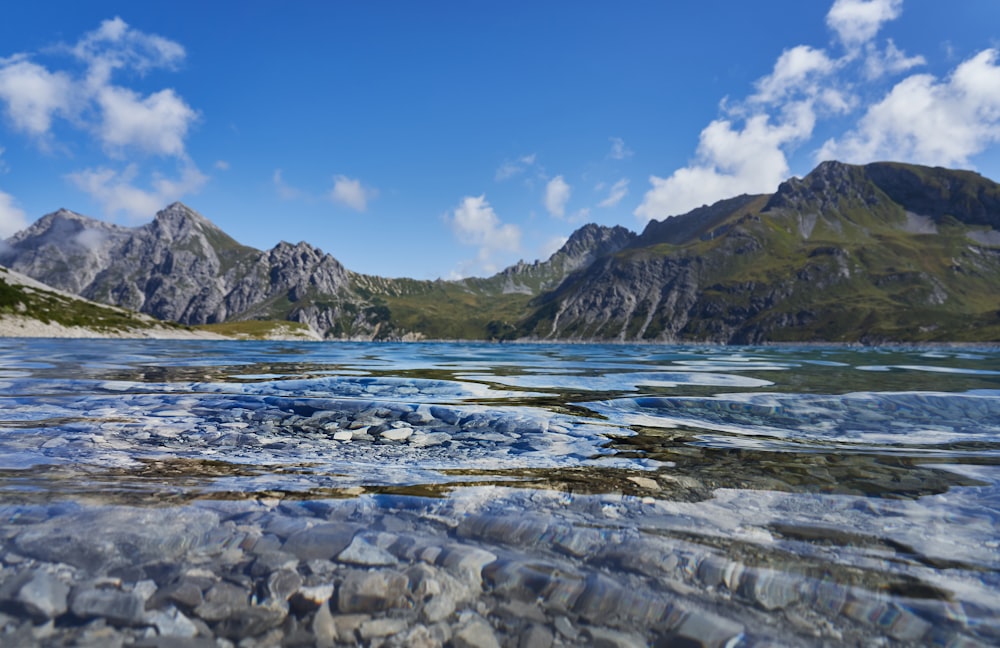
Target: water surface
(449, 493)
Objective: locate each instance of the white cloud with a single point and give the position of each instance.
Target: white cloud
(285, 190)
(157, 124)
(122, 120)
(12, 217)
(511, 168)
(618, 149)
(114, 45)
(928, 121)
(557, 193)
(858, 21)
(890, 61)
(618, 191)
(475, 223)
(117, 193)
(797, 69)
(746, 149)
(351, 192)
(33, 95)
(731, 161)
(221, 165)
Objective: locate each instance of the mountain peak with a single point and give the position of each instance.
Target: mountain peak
(825, 188)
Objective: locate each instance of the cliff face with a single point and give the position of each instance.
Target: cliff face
(179, 267)
(849, 253)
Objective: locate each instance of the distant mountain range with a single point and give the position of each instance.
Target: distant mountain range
(875, 253)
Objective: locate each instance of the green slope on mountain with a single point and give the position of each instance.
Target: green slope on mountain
(849, 253)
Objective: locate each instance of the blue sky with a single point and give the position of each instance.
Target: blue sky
(445, 139)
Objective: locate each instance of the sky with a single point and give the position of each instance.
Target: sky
(449, 139)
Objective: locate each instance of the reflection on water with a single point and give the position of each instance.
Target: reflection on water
(460, 494)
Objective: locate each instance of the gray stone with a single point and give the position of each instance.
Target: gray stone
(347, 625)
(222, 601)
(171, 623)
(100, 539)
(283, 583)
(323, 541)
(607, 638)
(536, 636)
(324, 628)
(565, 628)
(43, 595)
(396, 434)
(372, 591)
(710, 630)
(474, 632)
(250, 621)
(383, 627)
(361, 552)
(120, 608)
(186, 593)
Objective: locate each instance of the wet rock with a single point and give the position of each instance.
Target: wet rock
(607, 638)
(118, 607)
(396, 434)
(171, 623)
(270, 561)
(372, 591)
(186, 593)
(383, 627)
(771, 590)
(473, 631)
(176, 642)
(467, 561)
(361, 552)
(536, 636)
(283, 583)
(99, 539)
(223, 600)
(324, 628)
(43, 595)
(347, 625)
(323, 541)
(250, 621)
(709, 630)
(419, 636)
(565, 628)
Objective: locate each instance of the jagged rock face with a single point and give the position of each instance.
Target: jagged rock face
(584, 246)
(592, 242)
(826, 189)
(179, 267)
(67, 249)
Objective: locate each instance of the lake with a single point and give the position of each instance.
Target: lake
(165, 493)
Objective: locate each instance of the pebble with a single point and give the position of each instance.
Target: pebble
(360, 552)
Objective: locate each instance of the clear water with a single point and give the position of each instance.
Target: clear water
(722, 496)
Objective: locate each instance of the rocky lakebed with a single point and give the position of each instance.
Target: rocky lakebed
(219, 493)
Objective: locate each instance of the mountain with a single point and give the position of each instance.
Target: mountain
(182, 268)
(29, 308)
(874, 253)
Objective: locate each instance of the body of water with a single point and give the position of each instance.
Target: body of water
(235, 493)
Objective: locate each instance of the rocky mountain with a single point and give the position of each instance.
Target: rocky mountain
(848, 253)
(182, 268)
(29, 308)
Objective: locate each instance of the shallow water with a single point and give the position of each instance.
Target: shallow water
(462, 494)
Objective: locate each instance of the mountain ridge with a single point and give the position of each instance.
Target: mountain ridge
(879, 252)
